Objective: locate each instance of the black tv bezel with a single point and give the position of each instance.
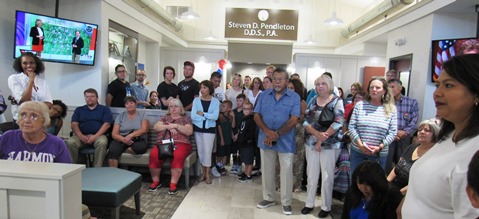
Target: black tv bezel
(56, 61)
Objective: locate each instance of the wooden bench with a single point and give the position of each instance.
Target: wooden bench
(126, 160)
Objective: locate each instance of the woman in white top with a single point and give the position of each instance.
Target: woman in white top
(255, 88)
(237, 88)
(437, 181)
(26, 85)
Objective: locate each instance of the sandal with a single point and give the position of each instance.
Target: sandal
(201, 178)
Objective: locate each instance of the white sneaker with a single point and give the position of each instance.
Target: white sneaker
(234, 169)
(215, 172)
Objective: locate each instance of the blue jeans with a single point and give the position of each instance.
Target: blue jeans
(357, 157)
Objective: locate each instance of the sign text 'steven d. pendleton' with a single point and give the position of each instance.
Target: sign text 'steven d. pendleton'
(261, 24)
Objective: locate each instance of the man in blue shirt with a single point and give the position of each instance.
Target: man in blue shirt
(276, 113)
(407, 116)
(139, 90)
(89, 125)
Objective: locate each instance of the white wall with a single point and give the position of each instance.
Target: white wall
(345, 69)
(65, 80)
(419, 35)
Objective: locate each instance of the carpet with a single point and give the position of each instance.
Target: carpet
(153, 205)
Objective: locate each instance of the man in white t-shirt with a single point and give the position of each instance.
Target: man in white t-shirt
(219, 91)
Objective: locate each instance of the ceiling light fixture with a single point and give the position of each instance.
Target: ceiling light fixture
(334, 20)
(189, 15)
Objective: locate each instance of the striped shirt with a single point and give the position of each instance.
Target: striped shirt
(370, 124)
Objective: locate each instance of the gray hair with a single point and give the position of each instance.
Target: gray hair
(433, 126)
(178, 103)
(39, 107)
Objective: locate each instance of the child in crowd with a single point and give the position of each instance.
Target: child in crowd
(225, 123)
(238, 111)
(246, 141)
(472, 188)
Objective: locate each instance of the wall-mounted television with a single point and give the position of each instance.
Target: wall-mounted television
(443, 50)
(59, 36)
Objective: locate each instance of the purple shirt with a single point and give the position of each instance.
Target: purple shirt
(51, 150)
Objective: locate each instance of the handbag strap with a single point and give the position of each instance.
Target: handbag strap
(164, 134)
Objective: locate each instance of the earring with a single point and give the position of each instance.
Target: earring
(477, 103)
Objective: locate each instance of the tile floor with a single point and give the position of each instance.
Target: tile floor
(226, 198)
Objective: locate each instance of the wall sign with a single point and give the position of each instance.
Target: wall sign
(261, 24)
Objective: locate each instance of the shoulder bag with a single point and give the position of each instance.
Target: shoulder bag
(326, 118)
(166, 147)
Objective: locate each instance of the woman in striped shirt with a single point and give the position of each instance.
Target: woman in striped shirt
(373, 125)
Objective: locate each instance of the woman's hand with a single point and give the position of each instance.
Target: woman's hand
(173, 129)
(200, 113)
(222, 142)
(127, 140)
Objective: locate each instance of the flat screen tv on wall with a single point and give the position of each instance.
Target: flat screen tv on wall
(59, 37)
(443, 50)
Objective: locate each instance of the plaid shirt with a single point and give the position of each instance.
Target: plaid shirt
(408, 112)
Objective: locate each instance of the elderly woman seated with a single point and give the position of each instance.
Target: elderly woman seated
(180, 126)
(129, 132)
(427, 137)
(31, 142)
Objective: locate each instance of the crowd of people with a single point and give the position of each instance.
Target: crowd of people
(273, 128)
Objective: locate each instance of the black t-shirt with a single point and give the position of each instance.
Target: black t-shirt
(166, 90)
(118, 90)
(403, 167)
(187, 91)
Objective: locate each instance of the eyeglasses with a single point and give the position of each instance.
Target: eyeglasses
(141, 75)
(89, 97)
(279, 79)
(32, 117)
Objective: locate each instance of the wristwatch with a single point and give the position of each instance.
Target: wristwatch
(277, 132)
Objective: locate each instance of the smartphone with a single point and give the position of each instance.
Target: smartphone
(365, 145)
(273, 142)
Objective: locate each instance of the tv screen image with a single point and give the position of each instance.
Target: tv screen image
(443, 50)
(59, 37)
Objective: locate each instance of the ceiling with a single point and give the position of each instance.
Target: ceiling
(310, 22)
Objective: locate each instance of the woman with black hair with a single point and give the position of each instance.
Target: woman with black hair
(437, 181)
(370, 195)
(26, 85)
(57, 113)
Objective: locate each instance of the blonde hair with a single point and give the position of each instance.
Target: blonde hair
(233, 80)
(387, 99)
(177, 103)
(328, 80)
(38, 107)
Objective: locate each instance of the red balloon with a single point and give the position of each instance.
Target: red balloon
(222, 63)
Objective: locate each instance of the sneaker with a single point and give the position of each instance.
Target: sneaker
(265, 204)
(215, 172)
(221, 170)
(240, 168)
(258, 173)
(245, 178)
(172, 192)
(241, 175)
(287, 210)
(154, 186)
(234, 169)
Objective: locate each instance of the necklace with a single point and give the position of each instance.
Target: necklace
(364, 203)
(32, 151)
